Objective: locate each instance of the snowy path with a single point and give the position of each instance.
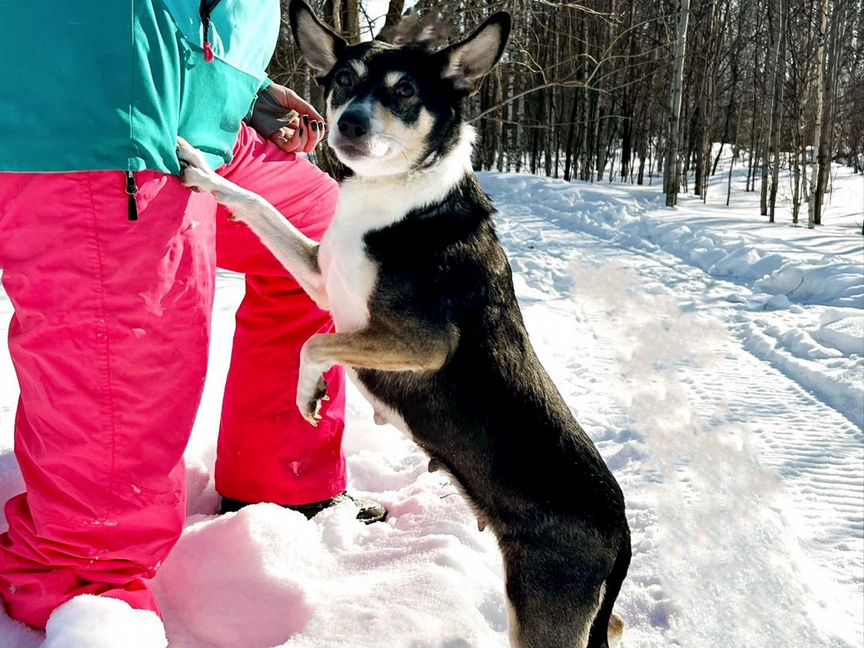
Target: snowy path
(732, 429)
(762, 481)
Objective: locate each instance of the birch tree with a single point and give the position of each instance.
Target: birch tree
(672, 165)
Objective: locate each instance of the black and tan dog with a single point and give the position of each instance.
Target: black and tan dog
(428, 325)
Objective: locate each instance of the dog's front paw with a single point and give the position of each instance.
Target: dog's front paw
(311, 388)
(195, 172)
(310, 401)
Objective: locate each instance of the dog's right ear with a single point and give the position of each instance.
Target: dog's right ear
(318, 44)
(467, 62)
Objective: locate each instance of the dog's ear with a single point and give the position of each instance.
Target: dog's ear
(319, 45)
(468, 61)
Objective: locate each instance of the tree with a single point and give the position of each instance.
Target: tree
(672, 165)
(815, 205)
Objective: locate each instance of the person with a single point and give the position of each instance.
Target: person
(109, 262)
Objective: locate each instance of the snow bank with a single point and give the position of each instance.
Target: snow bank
(844, 332)
(101, 622)
(808, 267)
(266, 576)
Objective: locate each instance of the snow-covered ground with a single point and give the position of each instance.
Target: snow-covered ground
(717, 362)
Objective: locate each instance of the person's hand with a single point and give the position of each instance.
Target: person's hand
(303, 133)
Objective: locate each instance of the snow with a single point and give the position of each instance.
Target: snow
(72, 624)
(718, 363)
(842, 332)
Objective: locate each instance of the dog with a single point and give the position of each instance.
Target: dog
(428, 326)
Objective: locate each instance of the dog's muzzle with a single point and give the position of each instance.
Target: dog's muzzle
(353, 138)
(354, 124)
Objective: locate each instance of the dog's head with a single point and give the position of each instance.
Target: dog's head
(391, 109)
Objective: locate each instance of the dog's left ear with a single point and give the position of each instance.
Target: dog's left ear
(318, 44)
(468, 61)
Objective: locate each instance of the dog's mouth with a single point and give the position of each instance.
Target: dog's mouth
(367, 148)
(352, 151)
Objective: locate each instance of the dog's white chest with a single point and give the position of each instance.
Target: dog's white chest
(349, 274)
(370, 204)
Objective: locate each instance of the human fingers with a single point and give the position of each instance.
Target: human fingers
(302, 135)
(316, 134)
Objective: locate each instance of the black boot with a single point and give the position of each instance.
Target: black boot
(367, 511)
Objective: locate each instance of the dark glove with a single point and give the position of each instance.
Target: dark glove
(287, 120)
(268, 115)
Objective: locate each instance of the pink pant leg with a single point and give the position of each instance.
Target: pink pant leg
(109, 341)
(267, 452)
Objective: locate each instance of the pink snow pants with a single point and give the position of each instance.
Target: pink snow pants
(109, 340)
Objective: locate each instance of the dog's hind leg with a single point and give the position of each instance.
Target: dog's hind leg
(608, 627)
(554, 596)
(548, 620)
(615, 631)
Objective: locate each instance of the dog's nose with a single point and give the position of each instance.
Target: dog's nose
(353, 124)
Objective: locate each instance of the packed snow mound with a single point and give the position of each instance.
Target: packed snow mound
(247, 565)
(100, 622)
(842, 332)
(827, 282)
(325, 582)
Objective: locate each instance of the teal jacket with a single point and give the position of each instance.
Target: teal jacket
(109, 84)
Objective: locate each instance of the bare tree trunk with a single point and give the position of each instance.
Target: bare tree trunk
(800, 179)
(671, 180)
(571, 132)
(547, 134)
(394, 15)
(734, 107)
(751, 180)
(502, 125)
(826, 134)
(517, 133)
(333, 14)
(778, 101)
(735, 151)
(714, 30)
(351, 20)
(775, 9)
(642, 151)
(820, 98)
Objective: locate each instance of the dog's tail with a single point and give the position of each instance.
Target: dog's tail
(607, 627)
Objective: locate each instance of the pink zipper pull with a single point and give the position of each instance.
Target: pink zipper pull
(208, 52)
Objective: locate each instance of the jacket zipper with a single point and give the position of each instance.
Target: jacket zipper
(204, 10)
(131, 186)
(131, 191)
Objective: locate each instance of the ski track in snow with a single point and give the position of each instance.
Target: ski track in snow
(739, 454)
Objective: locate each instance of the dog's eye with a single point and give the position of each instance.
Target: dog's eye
(404, 89)
(343, 79)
